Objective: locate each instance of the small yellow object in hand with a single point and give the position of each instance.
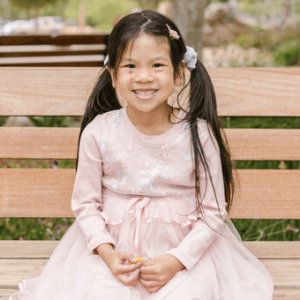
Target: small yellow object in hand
(138, 259)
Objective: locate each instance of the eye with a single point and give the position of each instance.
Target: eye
(158, 65)
(130, 66)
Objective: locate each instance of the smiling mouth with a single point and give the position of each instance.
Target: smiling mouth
(145, 92)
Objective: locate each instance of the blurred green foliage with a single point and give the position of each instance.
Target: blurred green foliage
(2, 120)
(52, 121)
(100, 13)
(33, 228)
(66, 164)
(29, 4)
(287, 53)
(283, 44)
(268, 230)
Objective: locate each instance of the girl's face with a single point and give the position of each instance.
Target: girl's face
(145, 78)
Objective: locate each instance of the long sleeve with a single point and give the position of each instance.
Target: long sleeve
(201, 236)
(86, 197)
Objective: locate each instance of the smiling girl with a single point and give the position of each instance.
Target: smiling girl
(153, 186)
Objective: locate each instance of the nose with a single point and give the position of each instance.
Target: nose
(144, 75)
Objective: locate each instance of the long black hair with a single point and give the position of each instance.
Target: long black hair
(202, 99)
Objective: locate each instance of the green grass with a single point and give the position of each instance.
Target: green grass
(33, 228)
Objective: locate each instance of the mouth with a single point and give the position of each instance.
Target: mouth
(145, 94)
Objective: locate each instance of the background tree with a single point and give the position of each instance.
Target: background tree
(147, 4)
(188, 15)
(33, 7)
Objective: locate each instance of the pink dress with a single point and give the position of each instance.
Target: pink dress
(137, 192)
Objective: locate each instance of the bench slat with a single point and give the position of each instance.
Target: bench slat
(279, 294)
(264, 194)
(6, 293)
(59, 143)
(44, 249)
(62, 39)
(39, 143)
(257, 91)
(36, 50)
(43, 60)
(286, 294)
(285, 273)
(64, 91)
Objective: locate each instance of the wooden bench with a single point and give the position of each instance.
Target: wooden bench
(264, 194)
(44, 50)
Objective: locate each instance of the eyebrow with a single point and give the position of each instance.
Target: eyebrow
(155, 58)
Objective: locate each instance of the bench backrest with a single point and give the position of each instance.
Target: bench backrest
(46, 50)
(270, 194)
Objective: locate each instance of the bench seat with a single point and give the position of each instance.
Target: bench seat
(25, 259)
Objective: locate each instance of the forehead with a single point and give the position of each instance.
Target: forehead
(146, 46)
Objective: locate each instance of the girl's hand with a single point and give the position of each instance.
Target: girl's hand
(115, 260)
(156, 272)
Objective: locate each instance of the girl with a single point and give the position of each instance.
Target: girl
(152, 185)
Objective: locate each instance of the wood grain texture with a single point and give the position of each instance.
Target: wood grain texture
(267, 194)
(286, 294)
(51, 60)
(44, 249)
(59, 143)
(45, 91)
(62, 39)
(49, 49)
(27, 249)
(263, 194)
(257, 91)
(39, 143)
(279, 294)
(264, 144)
(64, 91)
(36, 192)
(6, 293)
(285, 273)
(274, 250)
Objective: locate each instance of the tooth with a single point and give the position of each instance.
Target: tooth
(145, 93)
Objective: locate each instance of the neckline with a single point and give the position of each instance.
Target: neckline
(150, 138)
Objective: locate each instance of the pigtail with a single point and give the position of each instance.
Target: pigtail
(102, 99)
(203, 105)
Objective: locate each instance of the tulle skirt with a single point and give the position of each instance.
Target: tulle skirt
(227, 271)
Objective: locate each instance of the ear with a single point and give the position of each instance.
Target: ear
(179, 77)
(111, 71)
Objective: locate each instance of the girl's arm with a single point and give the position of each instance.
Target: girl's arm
(87, 196)
(194, 245)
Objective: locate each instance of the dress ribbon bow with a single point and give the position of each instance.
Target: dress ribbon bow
(141, 203)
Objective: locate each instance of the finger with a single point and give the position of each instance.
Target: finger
(149, 284)
(149, 262)
(154, 290)
(134, 283)
(148, 277)
(148, 269)
(127, 268)
(129, 279)
(127, 256)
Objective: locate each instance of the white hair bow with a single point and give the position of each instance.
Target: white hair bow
(190, 58)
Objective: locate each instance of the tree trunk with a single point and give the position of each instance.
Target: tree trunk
(188, 15)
